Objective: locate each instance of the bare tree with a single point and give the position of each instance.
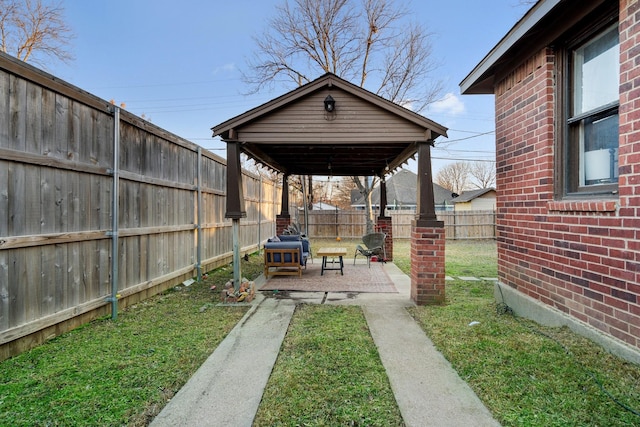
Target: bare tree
(372, 43)
(365, 187)
(32, 31)
(342, 193)
(483, 174)
(453, 177)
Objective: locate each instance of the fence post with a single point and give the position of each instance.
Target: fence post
(199, 217)
(115, 197)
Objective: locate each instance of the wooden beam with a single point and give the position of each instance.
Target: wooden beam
(403, 156)
(383, 196)
(257, 154)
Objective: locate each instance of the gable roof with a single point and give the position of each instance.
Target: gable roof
(470, 195)
(401, 190)
(322, 206)
(365, 135)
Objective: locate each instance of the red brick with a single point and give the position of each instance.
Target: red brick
(545, 259)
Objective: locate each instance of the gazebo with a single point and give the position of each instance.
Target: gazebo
(332, 127)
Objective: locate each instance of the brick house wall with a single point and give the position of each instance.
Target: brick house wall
(581, 257)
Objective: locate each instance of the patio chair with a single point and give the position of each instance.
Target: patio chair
(373, 246)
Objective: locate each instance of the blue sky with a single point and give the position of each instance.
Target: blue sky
(179, 63)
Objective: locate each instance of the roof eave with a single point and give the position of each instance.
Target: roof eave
(480, 79)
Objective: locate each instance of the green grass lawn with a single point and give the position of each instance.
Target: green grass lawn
(112, 373)
(328, 372)
(527, 375)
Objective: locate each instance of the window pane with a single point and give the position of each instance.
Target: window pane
(596, 72)
(599, 150)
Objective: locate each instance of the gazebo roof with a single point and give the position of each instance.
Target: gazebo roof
(365, 134)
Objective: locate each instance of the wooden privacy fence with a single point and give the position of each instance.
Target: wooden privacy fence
(352, 223)
(95, 202)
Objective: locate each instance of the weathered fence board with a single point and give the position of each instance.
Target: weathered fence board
(352, 224)
(56, 207)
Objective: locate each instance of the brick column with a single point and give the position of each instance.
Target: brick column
(427, 264)
(384, 225)
(282, 222)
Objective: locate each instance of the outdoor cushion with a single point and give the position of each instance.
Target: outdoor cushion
(306, 245)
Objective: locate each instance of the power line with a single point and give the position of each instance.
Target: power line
(464, 160)
(464, 139)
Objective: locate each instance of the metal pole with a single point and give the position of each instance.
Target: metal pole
(199, 219)
(304, 203)
(115, 213)
(260, 206)
(274, 206)
(236, 254)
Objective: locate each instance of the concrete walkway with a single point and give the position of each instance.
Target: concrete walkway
(239, 367)
(428, 391)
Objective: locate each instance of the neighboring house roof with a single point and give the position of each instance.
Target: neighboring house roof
(468, 196)
(321, 206)
(401, 190)
(543, 23)
(442, 196)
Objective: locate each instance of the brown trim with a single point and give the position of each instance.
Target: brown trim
(565, 166)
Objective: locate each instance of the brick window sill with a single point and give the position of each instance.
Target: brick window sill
(583, 206)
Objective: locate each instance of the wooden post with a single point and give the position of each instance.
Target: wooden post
(426, 209)
(284, 204)
(383, 222)
(235, 204)
(283, 219)
(235, 193)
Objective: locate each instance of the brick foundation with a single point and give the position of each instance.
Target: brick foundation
(384, 225)
(427, 265)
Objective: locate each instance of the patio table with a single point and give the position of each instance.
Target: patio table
(332, 252)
